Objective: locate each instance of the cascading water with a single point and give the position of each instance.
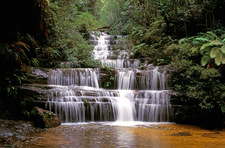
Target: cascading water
(101, 50)
(120, 63)
(140, 95)
(82, 77)
(125, 106)
(125, 79)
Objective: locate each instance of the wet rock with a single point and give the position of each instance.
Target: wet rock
(181, 134)
(44, 119)
(37, 75)
(13, 132)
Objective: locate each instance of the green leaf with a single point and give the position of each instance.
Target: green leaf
(202, 39)
(35, 62)
(218, 58)
(212, 34)
(182, 41)
(211, 43)
(223, 48)
(8, 89)
(194, 49)
(223, 59)
(205, 45)
(216, 43)
(222, 106)
(205, 59)
(111, 78)
(19, 79)
(213, 52)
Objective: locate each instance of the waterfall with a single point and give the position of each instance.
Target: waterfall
(101, 50)
(120, 63)
(74, 105)
(125, 107)
(82, 77)
(68, 107)
(153, 106)
(153, 79)
(125, 79)
(139, 95)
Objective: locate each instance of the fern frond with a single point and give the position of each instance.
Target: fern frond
(21, 45)
(202, 39)
(205, 46)
(213, 34)
(35, 62)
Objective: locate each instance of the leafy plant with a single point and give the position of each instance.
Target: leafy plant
(109, 78)
(213, 47)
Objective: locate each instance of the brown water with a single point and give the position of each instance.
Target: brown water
(108, 136)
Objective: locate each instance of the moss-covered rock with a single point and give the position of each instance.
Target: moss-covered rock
(44, 119)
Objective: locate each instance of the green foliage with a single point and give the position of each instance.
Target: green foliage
(62, 34)
(154, 25)
(199, 89)
(181, 18)
(149, 43)
(85, 102)
(109, 78)
(15, 58)
(85, 18)
(212, 47)
(69, 23)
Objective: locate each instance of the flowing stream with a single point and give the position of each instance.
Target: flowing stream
(138, 95)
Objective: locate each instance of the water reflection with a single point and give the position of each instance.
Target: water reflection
(110, 135)
(125, 137)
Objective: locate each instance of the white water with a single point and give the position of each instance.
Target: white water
(125, 106)
(81, 77)
(141, 95)
(125, 79)
(101, 50)
(120, 63)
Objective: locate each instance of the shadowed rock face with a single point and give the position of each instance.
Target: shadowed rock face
(44, 119)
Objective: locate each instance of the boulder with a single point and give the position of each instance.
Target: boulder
(44, 119)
